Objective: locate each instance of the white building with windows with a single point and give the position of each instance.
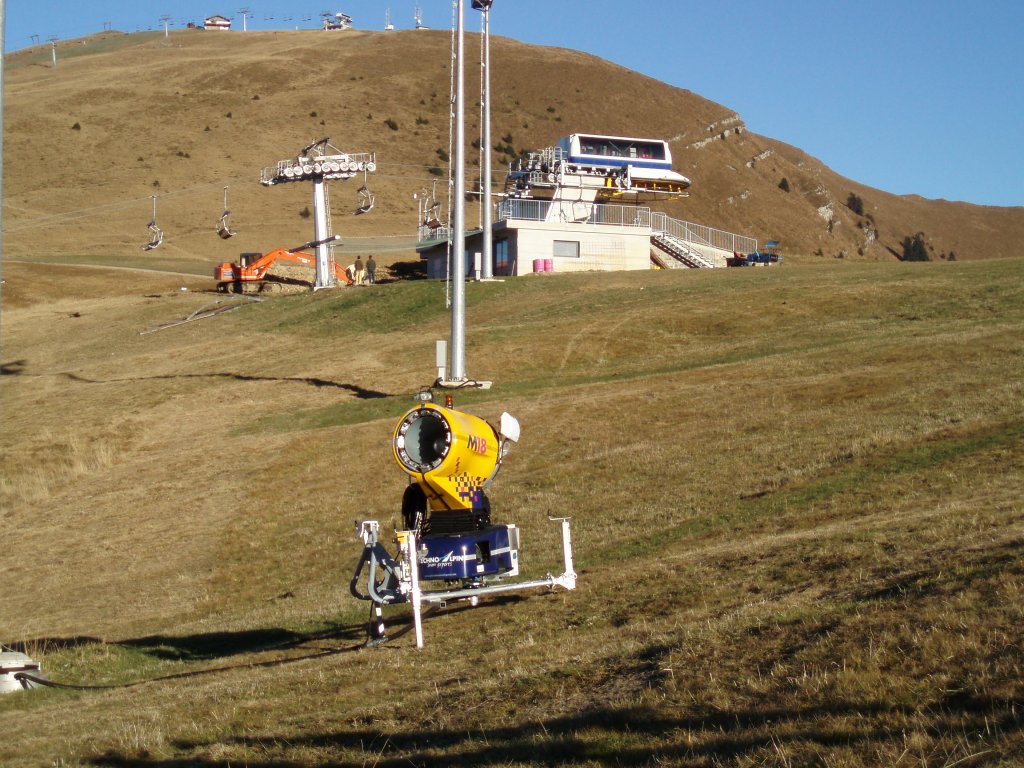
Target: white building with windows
(217, 22)
(558, 215)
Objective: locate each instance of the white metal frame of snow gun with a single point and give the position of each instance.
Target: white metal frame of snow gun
(391, 581)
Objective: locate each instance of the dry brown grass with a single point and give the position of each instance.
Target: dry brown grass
(795, 492)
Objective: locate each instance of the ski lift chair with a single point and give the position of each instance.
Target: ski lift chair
(223, 228)
(366, 200)
(156, 235)
(431, 218)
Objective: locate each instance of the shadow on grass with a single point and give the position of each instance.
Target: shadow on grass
(219, 645)
(607, 736)
(313, 381)
(288, 647)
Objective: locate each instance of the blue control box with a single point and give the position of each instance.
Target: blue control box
(492, 551)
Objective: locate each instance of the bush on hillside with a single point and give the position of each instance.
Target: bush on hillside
(784, 184)
(855, 204)
(914, 248)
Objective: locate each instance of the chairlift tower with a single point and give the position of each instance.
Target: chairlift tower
(318, 163)
(418, 18)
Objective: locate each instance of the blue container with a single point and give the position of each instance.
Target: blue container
(458, 557)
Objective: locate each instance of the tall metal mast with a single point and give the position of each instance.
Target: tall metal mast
(457, 352)
(3, 23)
(487, 270)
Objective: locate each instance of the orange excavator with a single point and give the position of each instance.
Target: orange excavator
(249, 275)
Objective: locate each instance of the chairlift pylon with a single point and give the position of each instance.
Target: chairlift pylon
(156, 234)
(223, 228)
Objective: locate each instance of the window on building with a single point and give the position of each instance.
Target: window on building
(569, 249)
(501, 257)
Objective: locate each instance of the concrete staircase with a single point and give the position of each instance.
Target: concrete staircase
(673, 253)
(676, 244)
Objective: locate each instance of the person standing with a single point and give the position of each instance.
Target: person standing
(360, 272)
(371, 271)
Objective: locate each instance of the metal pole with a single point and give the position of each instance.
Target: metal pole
(324, 278)
(2, 25)
(488, 257)
(457, 363)
(417, 593)
(570, 572)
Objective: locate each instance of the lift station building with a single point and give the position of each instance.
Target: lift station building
(579, 206)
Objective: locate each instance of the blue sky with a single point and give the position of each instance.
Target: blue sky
(911, 96)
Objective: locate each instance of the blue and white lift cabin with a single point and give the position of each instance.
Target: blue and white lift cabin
(611, 166)
(580, 206)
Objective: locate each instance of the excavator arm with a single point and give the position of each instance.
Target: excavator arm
(255, 271)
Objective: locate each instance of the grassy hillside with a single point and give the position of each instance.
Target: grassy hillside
(126, 117)
(796, 501)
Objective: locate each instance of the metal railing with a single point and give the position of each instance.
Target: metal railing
(567, 212)
(428, 234)
(699, 234)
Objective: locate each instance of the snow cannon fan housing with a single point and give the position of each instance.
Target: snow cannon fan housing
(452, 456)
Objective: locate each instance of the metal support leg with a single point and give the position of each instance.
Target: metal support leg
(416, 594)
(569, 577)
(376, 632)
